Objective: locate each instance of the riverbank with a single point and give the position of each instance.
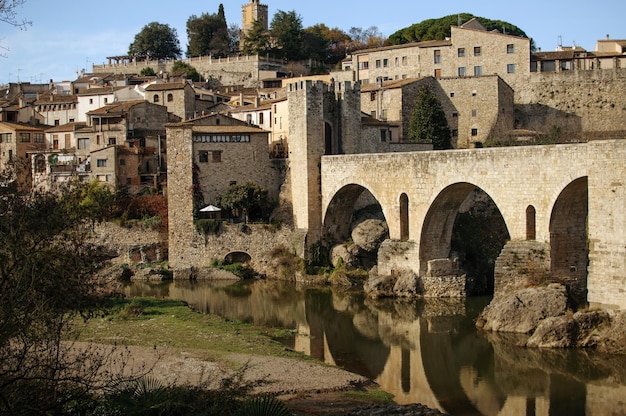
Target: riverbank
(183, 347)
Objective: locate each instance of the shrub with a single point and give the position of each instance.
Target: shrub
(208, 226)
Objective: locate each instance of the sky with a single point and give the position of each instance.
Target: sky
(70, 35)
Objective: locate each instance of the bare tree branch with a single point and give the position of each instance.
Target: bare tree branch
(8, 13)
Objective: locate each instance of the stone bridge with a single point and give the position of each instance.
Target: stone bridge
(565, 202)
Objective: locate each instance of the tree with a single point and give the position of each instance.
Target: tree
(8, 13)
(147, 72)
(208, 35)
(192, 73)
(256, 41)
(46, 269)
(244, 199)
(156, 40)
(439, 29)
(366, 38)
(286, 29)
(428, 122)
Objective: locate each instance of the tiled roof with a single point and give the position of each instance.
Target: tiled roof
(227, 129)
(389, 84)
(166, 86)
(99, 91)
(425, 44)
(116, 108)
(75, 126)
(22, 126)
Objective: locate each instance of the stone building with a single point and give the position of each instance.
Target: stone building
(57, 109)
(253, 12)
(178, 97)
(16, 141)
(475, 107)
(471, 50)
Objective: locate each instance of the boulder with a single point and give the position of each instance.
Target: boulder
(348, 253)
(570, 331)
(369, 234)
(521, 311)
(407, 285)
(377, 286)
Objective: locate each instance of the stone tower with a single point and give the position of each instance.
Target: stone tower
(252, 12)
(324, 119)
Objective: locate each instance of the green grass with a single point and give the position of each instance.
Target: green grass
(172, 324)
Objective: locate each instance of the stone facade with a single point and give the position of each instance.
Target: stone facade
(178, 98)
(539, 190)
(475, 107)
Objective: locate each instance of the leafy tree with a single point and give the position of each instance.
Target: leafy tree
(8, 13)
(256, 41)
(428, 122)
(156, 40)
(208, 34)
(147, 72)
(192, 73)
(244, 199)
(439, 29)
(287, 31)
(234, 38)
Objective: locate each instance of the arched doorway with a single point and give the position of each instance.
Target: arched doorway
(531, 227)
(404, 217)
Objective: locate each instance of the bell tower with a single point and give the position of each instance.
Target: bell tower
(252, 12)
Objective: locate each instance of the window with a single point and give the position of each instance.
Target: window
(478, 71)
(437, 55)
(106, 100)
(39, 137)
(404, 61)
(25, 137)
(122, 162)
(216, 156)
(461, 52)
(101, 163)
(477, 51)
(112, 141)
(6, 137)
(510, 48)
(397, 60)
(474, 93)
(461, 71)
(455, 132)
(155, 98)
(455, 114)
(170, 98)
(383, 135)
(260, 118)
(385, 63)
(452, 94)
(373, 96)
(378, 63)
(364, 65)
(474, 132)
(57, 122)
(474, 112)
(83, 143)
(203, 156)
(510, 68)
(91, 101)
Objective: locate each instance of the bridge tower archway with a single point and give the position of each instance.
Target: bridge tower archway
(464, 221)
(569, 247)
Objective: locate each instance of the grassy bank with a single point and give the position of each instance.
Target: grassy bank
(173, 324)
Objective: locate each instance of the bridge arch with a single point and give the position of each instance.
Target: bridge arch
(339, 212)
(457, 220)
(569, 248)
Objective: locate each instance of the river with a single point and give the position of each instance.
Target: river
(421, 351)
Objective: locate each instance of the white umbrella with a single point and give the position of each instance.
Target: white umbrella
(210, 208)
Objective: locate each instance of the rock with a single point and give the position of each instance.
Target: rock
(521, 311)
(348, 253)
(613, 339)
(369, 234)
(377, 286)
(570, 331)
(407, 285)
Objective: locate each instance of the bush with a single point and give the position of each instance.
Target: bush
(208, 226)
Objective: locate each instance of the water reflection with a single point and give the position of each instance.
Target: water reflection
(420, 351)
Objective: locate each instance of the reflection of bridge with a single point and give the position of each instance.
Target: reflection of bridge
(566, 201)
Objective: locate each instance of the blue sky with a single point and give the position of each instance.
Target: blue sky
(69, 35)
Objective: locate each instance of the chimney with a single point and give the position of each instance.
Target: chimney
(607, 37)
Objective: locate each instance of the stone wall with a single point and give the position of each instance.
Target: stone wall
(584, 105)
(136, 244)
(234, 70)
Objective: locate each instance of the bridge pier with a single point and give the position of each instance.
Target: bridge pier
(521, 263)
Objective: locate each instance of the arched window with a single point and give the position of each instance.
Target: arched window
(530, 223)
(155, 98)
(170, 98)
(404, 217)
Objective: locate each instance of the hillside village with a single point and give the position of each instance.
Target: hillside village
(253, 122)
